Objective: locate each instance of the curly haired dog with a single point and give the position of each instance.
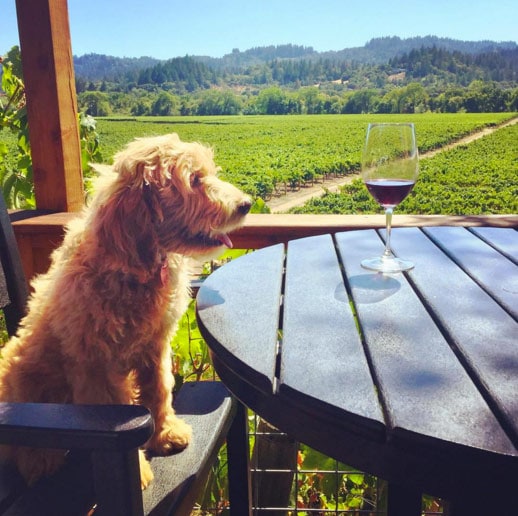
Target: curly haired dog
(99, 322)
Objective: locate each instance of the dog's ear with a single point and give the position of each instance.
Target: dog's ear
(126, 229)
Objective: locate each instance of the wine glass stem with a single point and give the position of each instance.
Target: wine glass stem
(388, 224)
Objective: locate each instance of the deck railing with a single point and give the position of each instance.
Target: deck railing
(38, 234)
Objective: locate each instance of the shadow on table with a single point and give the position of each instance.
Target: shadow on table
(373, 287)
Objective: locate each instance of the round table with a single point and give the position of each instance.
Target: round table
(411, 377)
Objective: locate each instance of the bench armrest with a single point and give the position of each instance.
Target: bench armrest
(85, 427)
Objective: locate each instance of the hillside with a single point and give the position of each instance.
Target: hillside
(387, 75)
(96, 67)
(381, 50)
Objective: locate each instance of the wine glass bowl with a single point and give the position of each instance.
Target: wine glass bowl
(390, 166)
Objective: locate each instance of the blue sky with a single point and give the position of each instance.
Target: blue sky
(171, 28)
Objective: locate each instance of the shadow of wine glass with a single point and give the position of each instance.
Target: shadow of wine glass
(373, 288)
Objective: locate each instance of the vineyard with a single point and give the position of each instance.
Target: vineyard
(479, 178)
(270, 155)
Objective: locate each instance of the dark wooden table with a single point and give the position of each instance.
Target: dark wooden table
(411, 377)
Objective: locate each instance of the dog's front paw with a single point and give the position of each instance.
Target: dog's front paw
(174, 436)
(146, 475)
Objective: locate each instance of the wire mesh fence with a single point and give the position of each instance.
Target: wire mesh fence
(291, 479)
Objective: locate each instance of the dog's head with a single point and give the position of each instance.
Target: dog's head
(167, 198)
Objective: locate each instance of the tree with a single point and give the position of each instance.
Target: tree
(165, 105)
(312, 101)
(513, 100)
(272, 101)
(414, 99)
(94, 103)
(391, 101)
(362, 101)
(141, 108)
(408, 99)
(486, 97)
(80, 84)
(215, 102)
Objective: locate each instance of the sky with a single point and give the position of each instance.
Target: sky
(171, 28)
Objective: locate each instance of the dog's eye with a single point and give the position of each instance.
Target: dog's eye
(195, 180)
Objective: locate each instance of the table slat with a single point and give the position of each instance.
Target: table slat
(494, 272)
(503, 239)
(319, 326)
(426, 391)
(240, 304)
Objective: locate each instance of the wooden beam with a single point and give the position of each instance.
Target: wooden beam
(51, 103)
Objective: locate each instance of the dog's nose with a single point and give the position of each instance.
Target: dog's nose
(244, 207)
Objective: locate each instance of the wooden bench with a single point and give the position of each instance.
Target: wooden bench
(101, 475)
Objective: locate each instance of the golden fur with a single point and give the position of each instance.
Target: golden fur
(100, 321)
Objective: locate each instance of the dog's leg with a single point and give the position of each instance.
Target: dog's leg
(146, 475)
(156, 384)
(34, 463)
(100, 384)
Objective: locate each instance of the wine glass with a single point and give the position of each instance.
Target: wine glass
(389, 171)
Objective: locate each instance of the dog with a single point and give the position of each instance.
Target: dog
(100, 321)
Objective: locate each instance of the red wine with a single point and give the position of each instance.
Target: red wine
(389, 192)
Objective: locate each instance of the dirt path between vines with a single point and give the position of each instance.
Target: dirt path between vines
(283, 203)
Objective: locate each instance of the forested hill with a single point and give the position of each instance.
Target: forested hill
(387, 75)
(457, 67)
(429, 66)
(381, 50)
(95, 67)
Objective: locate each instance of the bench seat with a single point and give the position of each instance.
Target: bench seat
(118, 431)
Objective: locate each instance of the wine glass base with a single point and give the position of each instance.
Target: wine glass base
(387, 264)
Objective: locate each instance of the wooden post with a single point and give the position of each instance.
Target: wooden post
(51, 103)
(273, 452)
(239, 479)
